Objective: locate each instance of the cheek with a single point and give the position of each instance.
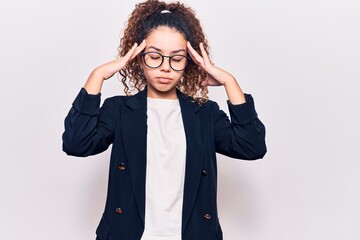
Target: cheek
(180, 74)
(148, 73)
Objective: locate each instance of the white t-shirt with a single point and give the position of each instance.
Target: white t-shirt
(165, 170)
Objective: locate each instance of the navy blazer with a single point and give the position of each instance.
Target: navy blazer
(122, 122)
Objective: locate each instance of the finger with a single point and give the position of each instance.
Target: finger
(129, 53)
(192, 52)
(205, 55)
(194, 55)
(138, 49)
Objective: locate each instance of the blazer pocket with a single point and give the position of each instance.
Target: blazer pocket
(103, 230)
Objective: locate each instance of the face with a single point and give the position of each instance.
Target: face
(162, 81)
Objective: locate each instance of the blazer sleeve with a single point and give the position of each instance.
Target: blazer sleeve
(88, 129)
(244, 136)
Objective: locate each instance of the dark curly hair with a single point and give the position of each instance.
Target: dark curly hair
(145, 18)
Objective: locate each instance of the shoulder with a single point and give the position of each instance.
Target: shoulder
(115, 100)
(120, 99)
(132, 101)
(210, 105)
(113, 104)
(198, 105)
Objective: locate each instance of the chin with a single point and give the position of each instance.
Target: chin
(165, 89)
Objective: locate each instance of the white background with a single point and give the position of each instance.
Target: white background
(299, 59)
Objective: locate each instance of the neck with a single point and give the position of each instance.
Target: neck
(163, 95)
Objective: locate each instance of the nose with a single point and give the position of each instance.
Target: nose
(165, 66)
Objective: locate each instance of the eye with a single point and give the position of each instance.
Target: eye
(154, 56)
(178, 58)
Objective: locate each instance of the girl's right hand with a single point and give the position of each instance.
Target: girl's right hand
(107, 70)
(94, 83)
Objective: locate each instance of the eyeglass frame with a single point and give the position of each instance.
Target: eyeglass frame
(188, 59)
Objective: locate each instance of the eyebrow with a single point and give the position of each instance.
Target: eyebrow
(159, 50)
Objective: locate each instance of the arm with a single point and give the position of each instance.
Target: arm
(217, 76)
(88, 129)
(244, 136)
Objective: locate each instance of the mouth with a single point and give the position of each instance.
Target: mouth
(163, 80)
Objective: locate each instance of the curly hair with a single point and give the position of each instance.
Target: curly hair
(146, 17)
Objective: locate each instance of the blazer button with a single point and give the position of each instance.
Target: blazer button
(204, 173)
(121, 166)
(207, 216)
(118, 210)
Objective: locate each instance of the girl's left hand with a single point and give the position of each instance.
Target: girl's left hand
(216, 75)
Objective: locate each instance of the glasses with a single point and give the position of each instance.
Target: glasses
(155, 59)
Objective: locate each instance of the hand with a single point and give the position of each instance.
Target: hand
(107, 70)
(216, 75)
(94, 83)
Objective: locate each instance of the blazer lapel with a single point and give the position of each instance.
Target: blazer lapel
(134, 128)
(194, 156)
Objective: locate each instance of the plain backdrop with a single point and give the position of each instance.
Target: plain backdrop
(299, 59)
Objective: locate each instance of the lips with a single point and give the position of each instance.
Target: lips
(163, 80)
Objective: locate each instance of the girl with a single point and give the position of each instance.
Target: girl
(163, 174)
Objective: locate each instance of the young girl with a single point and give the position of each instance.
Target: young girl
(163, 174)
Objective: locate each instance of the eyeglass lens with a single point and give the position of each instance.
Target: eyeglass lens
(155, 59)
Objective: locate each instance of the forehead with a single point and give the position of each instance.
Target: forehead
(166, 39)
